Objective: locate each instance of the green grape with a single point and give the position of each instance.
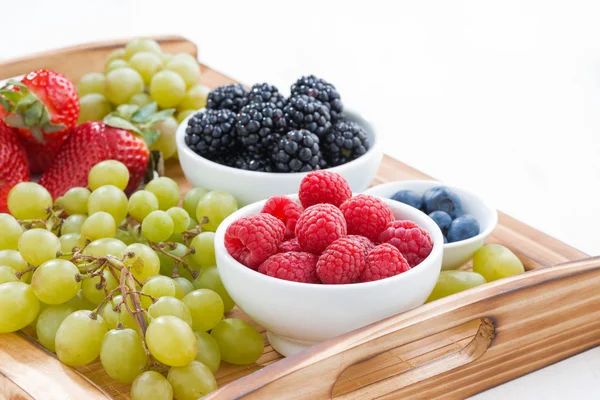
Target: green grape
(54, 282)
(142, 203)
(110, 199)
(204, 244)
(183, 114)
(168, 305)
(68, 242)
(91, 291)
(99, 225)
(38, 246)
(166, 141)
(8, 274)
(167, 57)
(75, 200)
(147, 64)
(93, 107)
(166, 191)
(186, 56)
(195, 98)
(104, 247)
(114, 65)
(180, 217)
(48, 322)
(125, 236)
(13, 259)
(144, 263)
(59, 201)
(157, 226)
(216, 206)
(209, 353)
(167, 263)
(139, 45)
(122, 355)
(239, 342)
(11, 232)
(19, 307)
(206, 307)
(79, 302)
(189, 71)
(112, 317)
(450, 282)
(185, 285)
(92, 82)
(494, 261)
(191, 199)
(192, 381)
(72, 224)
(157, 287)
(151, 385)
(209, 278)
(167, 88)
(140, 99)
(122, 84)
(171, 341)
(179, 293)
(108, 172)
(117, 54)
(79, 338)
(28, 200)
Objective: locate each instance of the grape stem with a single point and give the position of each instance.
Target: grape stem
(192, 233)
(21, 273)
(160, 247)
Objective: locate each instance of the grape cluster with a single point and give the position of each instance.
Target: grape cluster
(130, 281)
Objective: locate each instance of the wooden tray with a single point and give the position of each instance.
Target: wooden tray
(451, 348)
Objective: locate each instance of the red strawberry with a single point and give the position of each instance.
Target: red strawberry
(13, 163)
(41, 155)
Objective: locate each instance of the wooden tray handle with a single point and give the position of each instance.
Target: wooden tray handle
(518, 344)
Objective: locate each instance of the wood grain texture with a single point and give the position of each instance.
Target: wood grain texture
(437, 350)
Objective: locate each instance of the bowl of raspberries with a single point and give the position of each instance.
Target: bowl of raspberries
(258, 143)
(465, 220)
(313, 266)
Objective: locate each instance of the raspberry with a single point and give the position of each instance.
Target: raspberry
(253, 239)
(366, 216)
(286, 210)
(294, 266)
(323, 187)
(364, 242)
(290, 245)
(382, 262)
(414, 243)
(342, 262)
(319, 226)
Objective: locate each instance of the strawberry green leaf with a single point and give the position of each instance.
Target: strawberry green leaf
(161, 115)
(6, 104)
(12, 98)
(151, 136)
(116, 122)
(15, 120)
(37, 134)
(49, 127)
(144, 113)
(126, 111)
(33, 114)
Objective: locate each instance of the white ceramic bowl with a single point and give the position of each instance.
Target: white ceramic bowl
(457, 253)
(299, 315)
(250, 186)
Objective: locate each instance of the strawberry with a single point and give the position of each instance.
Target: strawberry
(13, 163)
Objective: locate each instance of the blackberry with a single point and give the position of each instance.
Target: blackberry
(211, 132)
(297, 151)
(252, 162)
(305, 112)
(259, 126)
(321, 90)
(345, 142)
(265, 93)
(230, 97)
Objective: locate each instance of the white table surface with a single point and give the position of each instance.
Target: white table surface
(502, 98)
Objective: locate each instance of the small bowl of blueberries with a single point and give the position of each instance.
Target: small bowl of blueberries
(464, 219)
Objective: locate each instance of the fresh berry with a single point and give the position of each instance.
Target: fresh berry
(462, 228)
(41, 155)
(265, 93)
(249, 161)
(286, 210)
(366, 216)
(304, 112)
(13, 163)
(322, 91)
(442, 199)
(345, 142)
(342, 262)
(230, 97)
(290, 245)
(319, 226)
(297, 151)
(323, 187)
(211, 132)
(366, 244)
(442, 220)
(414, 243)
(382, 262)
(253, 239)
(260, 126)
(409, 197)
(292, 266)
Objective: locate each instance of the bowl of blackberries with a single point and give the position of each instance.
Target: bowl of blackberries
(464, 218)
(256, 143)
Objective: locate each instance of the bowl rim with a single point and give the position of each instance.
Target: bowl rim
(373, 150)
(489, 209)
(435, 233)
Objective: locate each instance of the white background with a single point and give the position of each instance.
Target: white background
(500, 97)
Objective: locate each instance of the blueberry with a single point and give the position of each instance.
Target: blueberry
(442, 199)
(442, 220)
(463, 227)
(409, 197)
